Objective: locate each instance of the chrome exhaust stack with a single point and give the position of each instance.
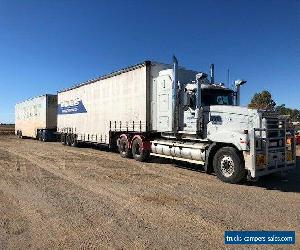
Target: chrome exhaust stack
(199, 78)
(212, 73)
(238, 84)
(175, 107)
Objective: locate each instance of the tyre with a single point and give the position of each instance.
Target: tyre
(228, 165)
(19, 133)
(68, 139)
(44, 136)
(138, 152)
(63, 139)
(40, 135)
(123, 146)
(74, 141)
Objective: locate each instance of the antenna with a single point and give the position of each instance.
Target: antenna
(228, 78)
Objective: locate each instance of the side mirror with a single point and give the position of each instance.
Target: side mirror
(201, 76)
(239, 82)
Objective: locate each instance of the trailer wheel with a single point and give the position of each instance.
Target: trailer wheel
(44, 137)
(63, 139)
(40, 135)
(68, 139)
(228, 165)
(123, 146)
(74, 141)
(138, 152)
(19, 133)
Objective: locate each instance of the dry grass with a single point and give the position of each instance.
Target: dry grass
(7, 129)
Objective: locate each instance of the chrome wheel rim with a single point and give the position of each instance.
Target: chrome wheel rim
(227, 166)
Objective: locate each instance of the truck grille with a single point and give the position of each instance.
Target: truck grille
(271, 140)
(275, 131)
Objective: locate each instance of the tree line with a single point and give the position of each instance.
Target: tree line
(264, 100)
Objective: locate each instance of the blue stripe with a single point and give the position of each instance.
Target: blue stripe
(75, 109)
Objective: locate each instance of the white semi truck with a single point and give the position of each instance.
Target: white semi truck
(37, 117)
(168, 111)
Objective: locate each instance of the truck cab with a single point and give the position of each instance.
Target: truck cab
(202, 122)
(211, 95)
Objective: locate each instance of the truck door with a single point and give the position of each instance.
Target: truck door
(189, 120)
(164, 103)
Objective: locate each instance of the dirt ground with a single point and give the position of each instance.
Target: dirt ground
(52, 196)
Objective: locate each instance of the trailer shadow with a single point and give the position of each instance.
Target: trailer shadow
(95, 146)
(289, 182)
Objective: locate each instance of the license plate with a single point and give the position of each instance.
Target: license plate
(289, 156)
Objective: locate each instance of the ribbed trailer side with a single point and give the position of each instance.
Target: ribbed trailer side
(36, 114)
(114, 102)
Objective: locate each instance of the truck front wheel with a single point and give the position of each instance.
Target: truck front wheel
(228, 165)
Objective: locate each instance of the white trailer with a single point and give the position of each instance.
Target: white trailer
(124, 100)
(37, 117)
(171, 112)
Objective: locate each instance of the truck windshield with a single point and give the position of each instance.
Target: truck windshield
(217, 97)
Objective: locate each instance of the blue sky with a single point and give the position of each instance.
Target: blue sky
(49, 45)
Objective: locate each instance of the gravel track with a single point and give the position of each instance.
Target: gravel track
(52, 196)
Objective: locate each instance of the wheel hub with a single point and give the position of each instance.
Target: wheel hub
(227, 166)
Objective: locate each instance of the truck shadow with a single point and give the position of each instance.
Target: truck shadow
(177, 164)
(289, 182)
